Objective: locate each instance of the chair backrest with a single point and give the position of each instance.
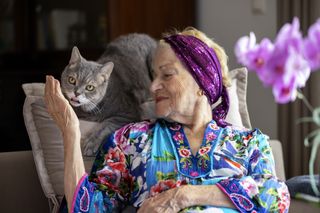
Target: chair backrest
(278, 158)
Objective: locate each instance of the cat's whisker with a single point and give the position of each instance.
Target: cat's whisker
(95, 107)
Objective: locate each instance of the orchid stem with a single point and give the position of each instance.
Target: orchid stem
(301, 96)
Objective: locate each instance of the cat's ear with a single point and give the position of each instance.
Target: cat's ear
(106, 70)
(75, 56)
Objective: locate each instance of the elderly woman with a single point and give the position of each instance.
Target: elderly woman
(189, 159)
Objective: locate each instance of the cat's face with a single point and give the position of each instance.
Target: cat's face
(84, 83)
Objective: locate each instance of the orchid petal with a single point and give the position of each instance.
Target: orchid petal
(311, 47)
(243, 46)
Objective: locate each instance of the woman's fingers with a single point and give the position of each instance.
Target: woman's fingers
(51, 98)
(55, 86)
(53, 93)
(58, 106)
(50, 93)
(47, 92)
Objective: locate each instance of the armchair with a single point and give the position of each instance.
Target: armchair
(42, 168)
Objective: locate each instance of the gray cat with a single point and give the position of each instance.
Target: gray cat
(112, 89)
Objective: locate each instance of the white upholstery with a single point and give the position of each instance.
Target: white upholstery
(278, 158)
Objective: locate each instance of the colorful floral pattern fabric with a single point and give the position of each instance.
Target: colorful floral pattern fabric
(143, 159)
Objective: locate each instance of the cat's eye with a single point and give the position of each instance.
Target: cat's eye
(71, 80)
(90, 87)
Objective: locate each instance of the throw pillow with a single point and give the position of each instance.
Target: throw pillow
(238, 114)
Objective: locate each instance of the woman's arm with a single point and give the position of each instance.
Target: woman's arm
(66, 119)
(260, 190)
(203, 195)
(176, 199)
(73, 164)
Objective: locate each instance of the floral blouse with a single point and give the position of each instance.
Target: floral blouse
(143, 159)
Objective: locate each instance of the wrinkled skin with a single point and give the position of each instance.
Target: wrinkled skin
(59, 107)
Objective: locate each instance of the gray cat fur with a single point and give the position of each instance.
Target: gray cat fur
(124, 90)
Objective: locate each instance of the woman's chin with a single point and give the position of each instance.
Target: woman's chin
(162, 113)
(168, 116)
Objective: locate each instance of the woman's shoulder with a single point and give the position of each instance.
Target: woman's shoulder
(246, 133)
(134, 129)
(252, 139)
(139, 126)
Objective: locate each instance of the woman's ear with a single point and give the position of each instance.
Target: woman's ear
(75, 57)
(106, 70)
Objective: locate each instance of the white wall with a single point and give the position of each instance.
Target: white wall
(226, 21)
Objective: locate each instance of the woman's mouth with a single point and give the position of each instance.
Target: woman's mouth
(161, 98)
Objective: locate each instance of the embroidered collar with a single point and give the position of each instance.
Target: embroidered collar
(193, 166)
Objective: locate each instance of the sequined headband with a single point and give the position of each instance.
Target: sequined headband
(203, 64)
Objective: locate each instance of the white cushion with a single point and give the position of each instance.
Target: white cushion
(238, 114)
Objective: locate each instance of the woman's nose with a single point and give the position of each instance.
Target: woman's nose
(155, 85)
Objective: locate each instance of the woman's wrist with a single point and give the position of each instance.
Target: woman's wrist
(195, 195)
(182, 197)
(71, 140)
(71, 132)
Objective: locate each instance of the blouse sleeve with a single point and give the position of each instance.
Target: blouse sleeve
(260, 190)
(110, 186)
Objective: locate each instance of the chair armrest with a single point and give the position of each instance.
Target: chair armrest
(278, 158)
(19, 184)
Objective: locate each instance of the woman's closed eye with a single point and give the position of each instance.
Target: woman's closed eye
(168, 75)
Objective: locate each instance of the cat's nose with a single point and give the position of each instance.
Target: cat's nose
(77, 93)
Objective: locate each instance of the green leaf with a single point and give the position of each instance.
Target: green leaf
(159, 176)
(266, 150)
(266, 171)
(261, 202)
(167, 157)
(261, 189)
(272, 191)
(165, 176)
(304, 120)
(274, 206)
(309, 136)
(236, 137)
(159, 158)
(316, 115)
(206, 157)
(315, 147)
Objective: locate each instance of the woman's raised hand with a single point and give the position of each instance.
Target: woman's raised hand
(59, 107)
(68, 122)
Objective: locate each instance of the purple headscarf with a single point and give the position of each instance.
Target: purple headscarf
(203, 64)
